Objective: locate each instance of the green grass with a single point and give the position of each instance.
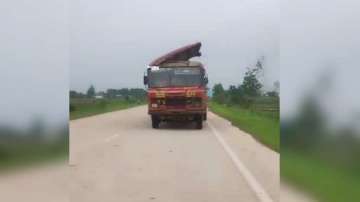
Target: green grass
(263, 127)
(25, 154)
(325, 181)
(89, 107)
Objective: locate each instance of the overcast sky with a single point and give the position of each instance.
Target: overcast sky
(113, 41)
(47, 46)
(34, 78)
(321, 38)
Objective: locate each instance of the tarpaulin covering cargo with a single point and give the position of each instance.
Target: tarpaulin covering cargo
(180, 54)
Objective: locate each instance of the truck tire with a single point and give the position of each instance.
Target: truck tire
(199, 122)
(155, 122)
(205, 117)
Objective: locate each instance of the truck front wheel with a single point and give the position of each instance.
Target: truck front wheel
(205, 117)
(199, 122)
(155, 121)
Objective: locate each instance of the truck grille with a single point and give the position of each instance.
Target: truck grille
(175, 102)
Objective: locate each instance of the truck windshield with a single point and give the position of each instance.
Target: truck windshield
(174, 77)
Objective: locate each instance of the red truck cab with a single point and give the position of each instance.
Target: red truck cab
(177, 88)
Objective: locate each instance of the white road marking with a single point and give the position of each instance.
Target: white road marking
(249, 178)
(108, 139)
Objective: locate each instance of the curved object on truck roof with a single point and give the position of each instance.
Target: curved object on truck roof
(180, 54)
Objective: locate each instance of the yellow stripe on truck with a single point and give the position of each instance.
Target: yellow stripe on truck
(190, 93)
(160, 94)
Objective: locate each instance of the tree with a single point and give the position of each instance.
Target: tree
(235, 94)
(277, 86)
(272, 94)
(111, 93)
(74, 94)
(219, 93)
(91, 92)
(275, 92)
(251, 84)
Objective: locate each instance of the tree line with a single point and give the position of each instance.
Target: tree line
(247, 91)
(126, 93)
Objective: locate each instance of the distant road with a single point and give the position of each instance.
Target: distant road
(118, 157)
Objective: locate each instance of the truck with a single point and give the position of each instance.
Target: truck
(177, 87)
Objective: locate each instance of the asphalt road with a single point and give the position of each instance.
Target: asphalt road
(118, 157)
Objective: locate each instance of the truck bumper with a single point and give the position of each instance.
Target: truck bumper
(177, 115)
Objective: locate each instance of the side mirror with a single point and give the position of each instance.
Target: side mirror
(146, 80)
(206, 80)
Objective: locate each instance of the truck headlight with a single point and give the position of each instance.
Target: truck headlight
(194, 102)
(154, 105)
(160, 102)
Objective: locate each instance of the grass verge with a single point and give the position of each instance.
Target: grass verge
(88, 107)
(17, 156)
(323, 180)
(262, 127)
